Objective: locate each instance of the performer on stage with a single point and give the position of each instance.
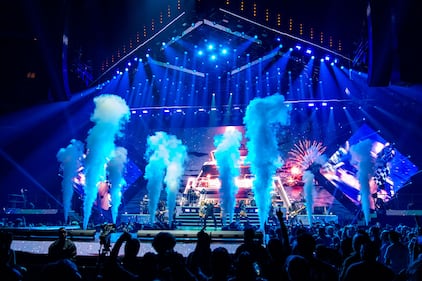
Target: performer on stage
(161, 211)
(209, 212)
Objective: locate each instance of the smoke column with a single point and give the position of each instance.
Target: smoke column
(361, 156)
(261, 115)
(308, 188)
(115, 169)
(227, 155)
(157, 156)
(175, 169)
(70, 159)
(109, 116)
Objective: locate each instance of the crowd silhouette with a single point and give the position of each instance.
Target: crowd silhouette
(290, 252)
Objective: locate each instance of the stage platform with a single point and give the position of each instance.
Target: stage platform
(185, 241)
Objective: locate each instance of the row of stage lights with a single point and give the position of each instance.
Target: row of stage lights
(213, 51)
(226, 110)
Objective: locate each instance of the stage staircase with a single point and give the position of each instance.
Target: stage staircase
(189, 217)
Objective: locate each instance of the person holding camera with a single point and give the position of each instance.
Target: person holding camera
(126, 267)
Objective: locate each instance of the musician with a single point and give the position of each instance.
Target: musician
(209, 212)
(242, 209)
(161, 210)
(191, 196)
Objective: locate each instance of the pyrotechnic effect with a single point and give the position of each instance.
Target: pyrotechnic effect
(362, 159)
(166, 155)
(71, 160)
(261, 116)
(305, 153)
(228, 157)
(115, 169)
(302, 156)
(109, 116)
(174, 172)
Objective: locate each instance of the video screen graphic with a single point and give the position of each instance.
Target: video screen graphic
(392, 170)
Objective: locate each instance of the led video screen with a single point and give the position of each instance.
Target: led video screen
(390, 170)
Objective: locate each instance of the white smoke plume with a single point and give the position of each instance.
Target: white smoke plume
(228, 156)
(308, 188)
(110, 114)
(361, 157)
(71, 161)
(261, 115)
(174, 172)
(157, 155)
(115, 169)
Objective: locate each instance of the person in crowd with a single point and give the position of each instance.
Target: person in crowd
(359, 238)
(414, 271)
(62, 269)
(171, 265)
(368, 267)
(275, 269)
(297, 268)
(221, 265)
(8, 268)
(199, 260)
(253, 244)
(396, 254)
(304, 245)
(128, 266)
(346, 240)
(62, 248)
(246, 268)
(385, 242)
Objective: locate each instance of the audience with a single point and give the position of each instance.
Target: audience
(8, 268)
(368, 267)
(396, 254)
(199, 260)
(62, 248)
(291, 252)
